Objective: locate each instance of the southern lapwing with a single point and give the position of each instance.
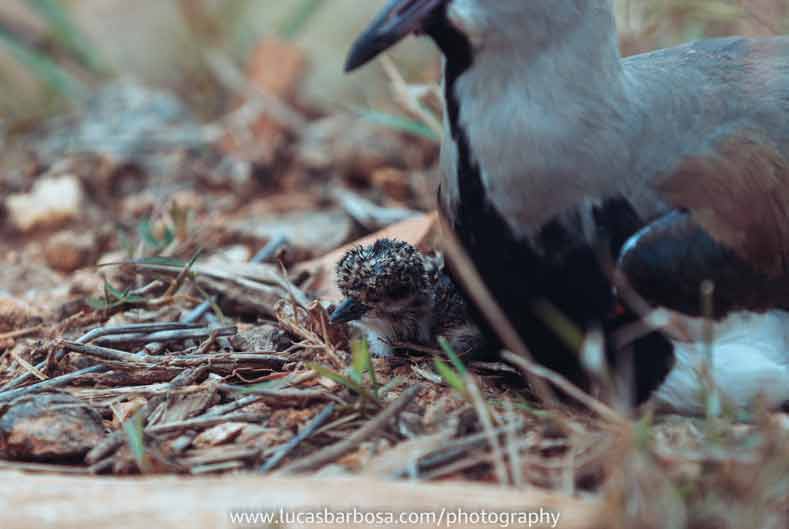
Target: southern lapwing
(397, 295)
(676, 160)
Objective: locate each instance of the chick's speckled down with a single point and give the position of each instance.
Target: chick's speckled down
(386, 270)
(404, 296)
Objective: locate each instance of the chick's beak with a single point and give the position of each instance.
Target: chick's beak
(397, 20)
(348, 310)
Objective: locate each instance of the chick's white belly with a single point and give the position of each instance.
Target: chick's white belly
(749, 361)
(378, 334)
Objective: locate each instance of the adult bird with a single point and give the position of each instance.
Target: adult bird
(677, 160)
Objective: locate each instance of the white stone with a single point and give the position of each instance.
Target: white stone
(53, 201)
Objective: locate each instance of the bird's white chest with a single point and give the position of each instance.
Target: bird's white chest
(747, 360)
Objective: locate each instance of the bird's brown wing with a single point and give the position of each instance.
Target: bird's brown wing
(738, 192)
(730, 226)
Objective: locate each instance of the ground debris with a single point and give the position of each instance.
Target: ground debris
(126, 120)
(219, 434)
(16, 315)
(49, 427)
(316, 232)
(262, 338)
(66, 251)
(178, 290)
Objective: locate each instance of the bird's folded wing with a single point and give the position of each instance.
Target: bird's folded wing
(730, 226)
(738, 193)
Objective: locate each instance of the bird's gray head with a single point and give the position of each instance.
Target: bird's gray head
(381, 280)
(482, 22)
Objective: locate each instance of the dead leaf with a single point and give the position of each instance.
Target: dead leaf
(219, 434)
(277, 67)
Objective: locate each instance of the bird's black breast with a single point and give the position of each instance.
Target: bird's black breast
(556, 278)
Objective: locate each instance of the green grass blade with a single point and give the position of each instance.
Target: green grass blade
(135, 438)
(453, 379)
(457, 363)
(362, 361)
(398, 123)
(43, 67)
(158, 261)
(113, 298)
(69, 35)
(344, 381)
(298, 18)
(145, 231)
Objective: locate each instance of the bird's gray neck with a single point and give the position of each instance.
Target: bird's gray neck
(535, 30)
(543, 90)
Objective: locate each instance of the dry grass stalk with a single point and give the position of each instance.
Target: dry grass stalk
(467, 274)
(409, 97)
(568, 387)
(337, 450)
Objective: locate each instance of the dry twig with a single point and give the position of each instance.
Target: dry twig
(337, 450)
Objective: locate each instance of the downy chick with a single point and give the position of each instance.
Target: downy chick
(395, 294)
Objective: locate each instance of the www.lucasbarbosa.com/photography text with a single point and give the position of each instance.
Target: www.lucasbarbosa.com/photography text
(445, 517)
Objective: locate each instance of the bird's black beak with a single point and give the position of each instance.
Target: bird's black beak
(399, 19)
(348, 310)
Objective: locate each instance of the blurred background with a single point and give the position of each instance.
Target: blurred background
(50, 48)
